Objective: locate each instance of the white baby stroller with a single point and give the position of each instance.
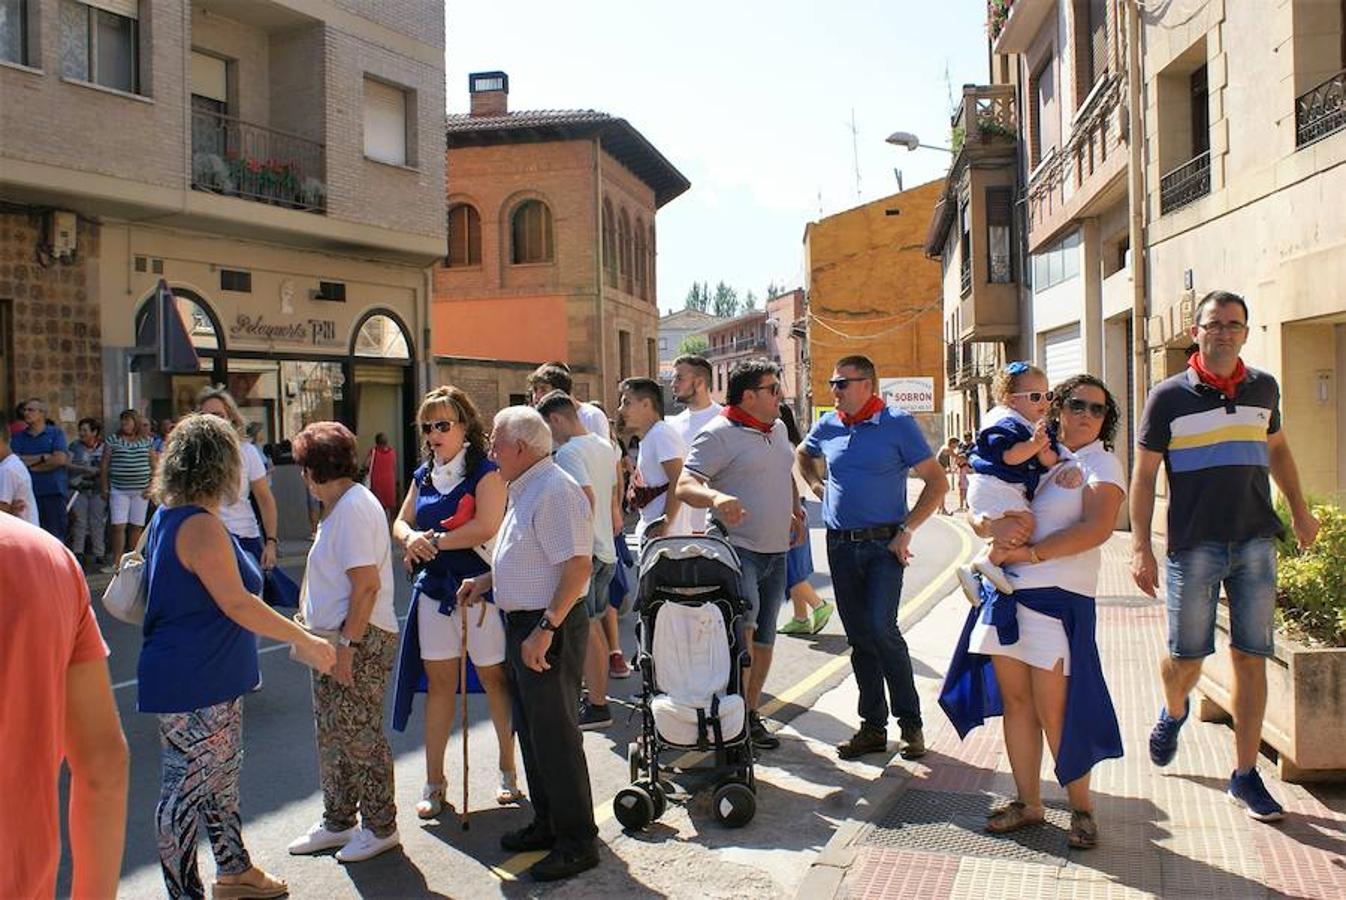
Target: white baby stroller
(690, 605)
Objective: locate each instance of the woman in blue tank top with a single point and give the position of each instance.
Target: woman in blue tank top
(199, 657)
(453, 507)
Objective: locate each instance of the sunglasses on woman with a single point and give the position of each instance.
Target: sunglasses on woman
(443, 426)
(1080, 407)
(1034, 396)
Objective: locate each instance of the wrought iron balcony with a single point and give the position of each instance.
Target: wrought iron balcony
(1321, 111)
(1185, 184)
(968, 363)
(742, 345)
(239, 159)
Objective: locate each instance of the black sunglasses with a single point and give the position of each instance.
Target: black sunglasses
(1080, 407)
(774, 387)
(443, 426)
(840, 383)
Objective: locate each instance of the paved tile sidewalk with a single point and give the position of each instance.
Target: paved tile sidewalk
(1168, 833)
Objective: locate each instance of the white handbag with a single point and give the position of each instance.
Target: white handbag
(124, 596)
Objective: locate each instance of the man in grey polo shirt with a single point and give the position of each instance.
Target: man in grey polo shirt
(740, 467)
(539, 573)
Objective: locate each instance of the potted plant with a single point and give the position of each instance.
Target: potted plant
(1306, 679)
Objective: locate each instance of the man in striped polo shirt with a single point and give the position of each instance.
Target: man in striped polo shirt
(1217, 429)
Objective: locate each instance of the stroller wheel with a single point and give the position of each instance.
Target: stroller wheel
(633, 807)
(635, 759)
(734, 804)
(657, 796)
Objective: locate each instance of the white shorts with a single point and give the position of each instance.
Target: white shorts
(442, 636)
(990, 497)
(1042, 641)
(127, 507)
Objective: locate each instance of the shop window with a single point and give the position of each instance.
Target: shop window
(464, 236)
(531, 233)
(200, 327)
(100, 43)
(385, 109)
(380, 337)
(14, 31)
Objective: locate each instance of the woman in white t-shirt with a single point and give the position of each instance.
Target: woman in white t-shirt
(348, 596)
(1047, 655)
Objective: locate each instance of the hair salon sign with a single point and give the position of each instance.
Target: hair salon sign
(307, 332)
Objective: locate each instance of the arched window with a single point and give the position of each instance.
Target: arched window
(464, 236)
(380, 337)
(641, 250)
(624, 247)
(651, 274)
(531, 233)
(609, 245)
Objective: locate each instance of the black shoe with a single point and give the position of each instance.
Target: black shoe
(525, 840)
(560, 864)
(761, 738)
(594, 716)
(913, 742)
(867, 740)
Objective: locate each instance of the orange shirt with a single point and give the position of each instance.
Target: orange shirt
(46, 626)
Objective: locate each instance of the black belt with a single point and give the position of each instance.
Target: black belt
(877, 533)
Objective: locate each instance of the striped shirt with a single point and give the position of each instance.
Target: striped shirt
(1216, 457)
(128, 463)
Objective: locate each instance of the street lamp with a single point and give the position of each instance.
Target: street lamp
(912, 142)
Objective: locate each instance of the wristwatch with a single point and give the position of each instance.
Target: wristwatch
(545, 624)
(344, 641)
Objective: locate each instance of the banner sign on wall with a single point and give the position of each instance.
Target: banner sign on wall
(914, 394)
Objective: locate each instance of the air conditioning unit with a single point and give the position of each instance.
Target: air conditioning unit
(63, 233)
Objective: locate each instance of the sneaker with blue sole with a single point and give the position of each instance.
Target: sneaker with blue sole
(1164, 736)
(1249, 792)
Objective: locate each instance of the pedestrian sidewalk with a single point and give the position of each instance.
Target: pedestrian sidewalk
(1170, 833)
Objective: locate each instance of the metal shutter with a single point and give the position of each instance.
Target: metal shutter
(1062, 354)
(385, 123)
(210, 77)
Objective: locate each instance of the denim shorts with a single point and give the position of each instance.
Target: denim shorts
(596, 601)
(1247, 570)
(764, 586)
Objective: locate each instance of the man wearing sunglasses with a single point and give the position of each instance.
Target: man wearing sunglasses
(869, 448)
(1217, 429)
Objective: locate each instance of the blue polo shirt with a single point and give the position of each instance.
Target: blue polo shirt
(50, 440)
(867, 466)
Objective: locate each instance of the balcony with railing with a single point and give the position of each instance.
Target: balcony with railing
(1186, 184)
(737, 347)
(240, 159)
(1321, 111)
(969, 363)
(1012, 24)
(986, 118)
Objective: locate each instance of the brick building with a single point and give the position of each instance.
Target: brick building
(551, 248)
(871, 290)
(278, 163)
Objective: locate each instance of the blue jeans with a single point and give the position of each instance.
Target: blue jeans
(867, 582)
(1247, 570)
(51, 514)
(763, 580)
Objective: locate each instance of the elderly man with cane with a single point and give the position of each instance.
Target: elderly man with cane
(540, 571)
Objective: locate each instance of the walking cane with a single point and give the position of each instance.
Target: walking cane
(462, 689)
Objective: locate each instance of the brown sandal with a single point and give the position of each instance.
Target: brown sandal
(1083, 830)
(266, 887)
(1013, 816)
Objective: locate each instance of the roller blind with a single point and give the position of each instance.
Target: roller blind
(210, 77)
(1063, 354)
(128, 8)
(385, 123)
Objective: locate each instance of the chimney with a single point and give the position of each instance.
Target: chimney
(489, 92)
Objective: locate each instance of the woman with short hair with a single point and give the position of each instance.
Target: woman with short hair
(199, 657)
(454, 505)
(348, 598)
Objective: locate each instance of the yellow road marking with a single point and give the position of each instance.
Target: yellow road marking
(511, 868)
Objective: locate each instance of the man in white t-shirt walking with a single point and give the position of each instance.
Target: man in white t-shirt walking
(16, 485)
(593, 462)
(691, 387)
(659, 462)
(555, 376)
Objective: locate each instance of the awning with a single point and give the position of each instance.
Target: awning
(163, 334)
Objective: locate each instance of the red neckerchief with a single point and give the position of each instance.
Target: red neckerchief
(873, 405)
(739, 417)
(1226, 386)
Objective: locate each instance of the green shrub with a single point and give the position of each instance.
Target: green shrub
(1312, 582)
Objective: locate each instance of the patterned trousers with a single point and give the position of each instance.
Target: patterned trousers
(202, 755)
(355, 761)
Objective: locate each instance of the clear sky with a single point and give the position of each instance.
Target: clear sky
(751, 100)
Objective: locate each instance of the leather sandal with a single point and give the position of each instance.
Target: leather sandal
(508, 792)
(261, 887)
(432, 800)
(1014, 815)
(1083, 830)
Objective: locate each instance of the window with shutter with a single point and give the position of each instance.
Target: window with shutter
(99, 42)
(464, 236)
(609, 245)
(1000, 259)
(385, 123)
(531, 233)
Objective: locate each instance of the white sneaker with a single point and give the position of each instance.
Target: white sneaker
(366, 846)
(970, 585)
(319, 839)
(994, 574)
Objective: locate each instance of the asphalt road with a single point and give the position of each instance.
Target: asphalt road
(281, 796)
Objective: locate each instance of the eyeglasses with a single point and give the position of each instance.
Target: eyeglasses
(1223, 327)
(1080, 407)
(840, 383)
(1035, 396)
(773, 387)
(443, 426)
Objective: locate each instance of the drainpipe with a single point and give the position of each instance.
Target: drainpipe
(600, 334)
(1136, 192)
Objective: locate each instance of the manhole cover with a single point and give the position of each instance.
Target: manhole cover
(953, 823)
